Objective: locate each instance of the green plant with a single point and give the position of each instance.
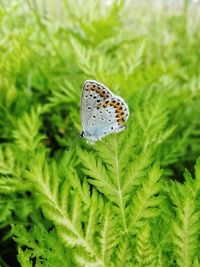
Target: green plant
(124, 200)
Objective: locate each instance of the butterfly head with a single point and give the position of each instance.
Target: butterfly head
(91, 138)
(82, 134)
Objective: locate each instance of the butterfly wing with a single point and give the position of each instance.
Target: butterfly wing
(102, 112)
(93, 94)
(108, 118)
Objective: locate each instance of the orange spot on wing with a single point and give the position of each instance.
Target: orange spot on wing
(106, 103)
(98, 89)
(103, 93)
(93, 86)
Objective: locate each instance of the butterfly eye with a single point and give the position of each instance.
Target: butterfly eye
(82, 134)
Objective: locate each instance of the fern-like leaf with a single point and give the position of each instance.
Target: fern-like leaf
(146, 201)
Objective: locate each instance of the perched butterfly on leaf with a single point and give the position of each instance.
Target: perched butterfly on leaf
(102, 112)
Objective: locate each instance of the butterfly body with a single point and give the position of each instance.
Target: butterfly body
(102, 112)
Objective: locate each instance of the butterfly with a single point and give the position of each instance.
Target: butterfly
(102, 112)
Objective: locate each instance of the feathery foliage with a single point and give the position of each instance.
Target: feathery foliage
(132, 199)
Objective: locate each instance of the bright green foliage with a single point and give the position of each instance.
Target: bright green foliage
(186, 222)
(132, 199)
(27, 134)
(146, 254)
(41, 247)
